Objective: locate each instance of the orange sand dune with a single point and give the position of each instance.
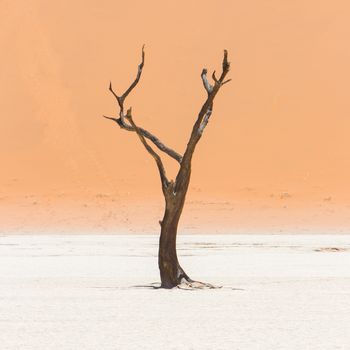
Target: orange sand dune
(280, 126)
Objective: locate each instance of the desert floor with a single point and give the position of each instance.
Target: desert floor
(95, 292)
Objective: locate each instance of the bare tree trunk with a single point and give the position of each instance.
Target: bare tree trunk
(171, 273)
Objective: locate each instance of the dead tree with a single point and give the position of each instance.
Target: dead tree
(171, 273)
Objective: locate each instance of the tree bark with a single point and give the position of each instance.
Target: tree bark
(171, 272)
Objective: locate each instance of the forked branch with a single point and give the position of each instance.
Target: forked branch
(211, 90)
(182, 179)
(145, 133)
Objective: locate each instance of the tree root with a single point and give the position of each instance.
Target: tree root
(192, 285)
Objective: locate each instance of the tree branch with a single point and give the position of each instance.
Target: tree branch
(158, 143)
(164, 180)
(121, 99)
(121, 121)
(182, 178)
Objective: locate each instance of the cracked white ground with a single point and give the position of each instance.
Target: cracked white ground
(94, 292)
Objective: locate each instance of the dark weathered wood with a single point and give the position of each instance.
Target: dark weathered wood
(171, 273)
(164, 180)
(159, 144)
(121, 120)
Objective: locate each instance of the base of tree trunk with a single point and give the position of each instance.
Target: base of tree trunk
(190, 285)
(185, 285)
(181, 280)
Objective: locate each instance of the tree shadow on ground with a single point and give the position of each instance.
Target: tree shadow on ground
(186, 286)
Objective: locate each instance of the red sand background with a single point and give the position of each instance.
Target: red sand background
(275, 156)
